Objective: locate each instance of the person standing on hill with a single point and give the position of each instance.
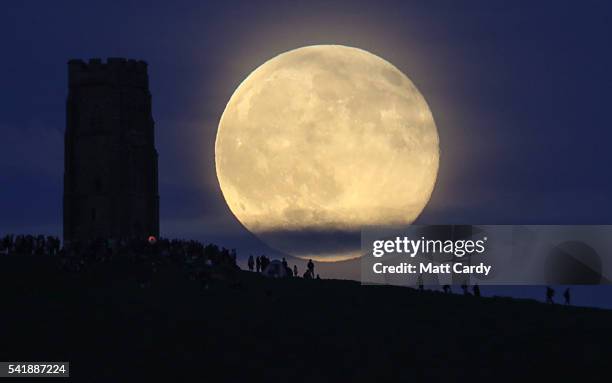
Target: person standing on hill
(251, 263)
(566, 296)
(265, 261)
(295, 271)
(311, 267)
(476, 290)
(258, 264)
(550, 293)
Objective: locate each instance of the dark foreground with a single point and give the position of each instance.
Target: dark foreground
(243, 328)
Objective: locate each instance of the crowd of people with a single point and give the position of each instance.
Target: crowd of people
(149, 254)
(260, 264)
(193, 255)
(30, 245)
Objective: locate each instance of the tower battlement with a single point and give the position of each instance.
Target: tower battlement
(115, 71)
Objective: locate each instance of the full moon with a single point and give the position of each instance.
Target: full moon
(325, 139)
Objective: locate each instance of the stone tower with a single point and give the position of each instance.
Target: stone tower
(110, 161)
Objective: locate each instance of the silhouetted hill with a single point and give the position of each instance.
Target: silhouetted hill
(240, 327)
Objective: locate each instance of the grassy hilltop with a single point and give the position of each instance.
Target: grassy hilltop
(240, 327)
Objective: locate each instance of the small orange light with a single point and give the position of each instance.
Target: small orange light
(152, 240)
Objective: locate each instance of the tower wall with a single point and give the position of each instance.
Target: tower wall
(110, 165)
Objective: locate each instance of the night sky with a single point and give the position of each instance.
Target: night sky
(520, 94)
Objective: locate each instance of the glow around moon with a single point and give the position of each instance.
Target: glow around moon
(325, 138)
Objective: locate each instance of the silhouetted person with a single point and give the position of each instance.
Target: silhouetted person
(311, 267)
(566, 296)
(295, 271)
(420, 283)
(446, 289)
(550, 293)
(464, 287)
(284, 262)
(318, 277)
(251, 263)
(265, 261)
(258, 264)
(307, 274)
(476, 290)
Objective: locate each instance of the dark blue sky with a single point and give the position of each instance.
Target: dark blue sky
(520, 94)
